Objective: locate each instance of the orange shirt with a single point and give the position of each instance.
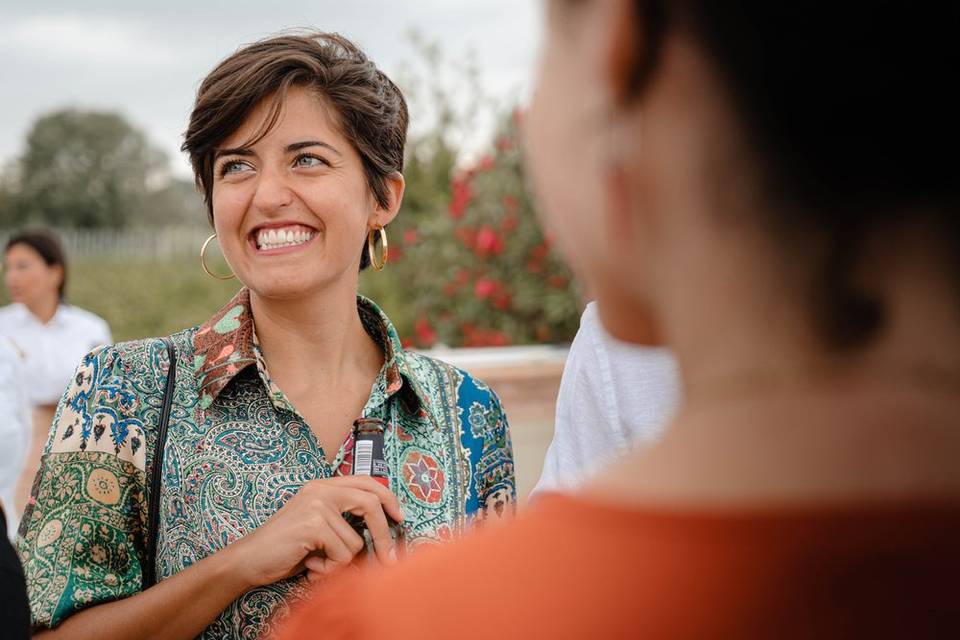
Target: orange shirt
(571, 568)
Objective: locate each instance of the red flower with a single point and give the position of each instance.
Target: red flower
(426, 336)
(540, 251)
(504, 143)
(502, 300)
(534, 266)
(467, 235)
(509, 223)
(488, 242)
(557, 282)
(498, 339)
(485, 163)
(410, 236)
(510, 203)
(460, 197)
(485, 287)
(406, 343)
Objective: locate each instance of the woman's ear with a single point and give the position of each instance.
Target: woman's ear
(382, 216)
(57, 274)
(622, 49)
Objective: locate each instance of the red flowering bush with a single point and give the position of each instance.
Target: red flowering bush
(485, 274)
(469, 264)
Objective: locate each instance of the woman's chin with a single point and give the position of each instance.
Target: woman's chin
(288, 286)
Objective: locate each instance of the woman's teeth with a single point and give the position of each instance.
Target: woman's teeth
(276, 238)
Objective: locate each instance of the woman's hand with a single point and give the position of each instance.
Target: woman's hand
(310, 531)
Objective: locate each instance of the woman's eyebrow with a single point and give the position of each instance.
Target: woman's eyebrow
(238, 151)
(296, 146)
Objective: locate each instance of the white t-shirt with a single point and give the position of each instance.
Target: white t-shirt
(14, 428)
(51, 351)
(613, 397)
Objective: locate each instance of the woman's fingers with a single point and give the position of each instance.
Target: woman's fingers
(369, 507)
(329, 541)
(352, 540)
(388, 500)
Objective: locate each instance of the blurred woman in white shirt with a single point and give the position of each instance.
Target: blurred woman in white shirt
(50, 335)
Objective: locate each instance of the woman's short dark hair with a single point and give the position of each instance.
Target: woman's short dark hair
(47, 246)
(369, 108)
(851, 114)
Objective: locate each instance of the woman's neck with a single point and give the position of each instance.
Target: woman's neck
(791, 439)
(316, 339)
(43, 309)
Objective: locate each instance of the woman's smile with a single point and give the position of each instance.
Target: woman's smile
(281, 238)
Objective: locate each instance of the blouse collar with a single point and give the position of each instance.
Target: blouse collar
(227, 343)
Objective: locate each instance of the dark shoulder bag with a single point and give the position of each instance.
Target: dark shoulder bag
(153, 504)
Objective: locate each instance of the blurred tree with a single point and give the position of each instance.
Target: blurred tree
(85, 169)
(176, 203)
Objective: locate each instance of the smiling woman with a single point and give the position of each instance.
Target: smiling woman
(297, 144)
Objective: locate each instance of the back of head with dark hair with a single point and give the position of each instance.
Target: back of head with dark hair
(47, 245)
(851, 115)
(370, 109)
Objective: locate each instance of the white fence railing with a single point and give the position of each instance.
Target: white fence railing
(144, 244)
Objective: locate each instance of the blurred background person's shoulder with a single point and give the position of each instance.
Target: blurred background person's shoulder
(614, 396)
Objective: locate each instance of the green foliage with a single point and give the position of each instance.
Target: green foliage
(484, 274)
(177, 203)
(82, 169)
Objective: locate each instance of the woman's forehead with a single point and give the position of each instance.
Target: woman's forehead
(301, 114)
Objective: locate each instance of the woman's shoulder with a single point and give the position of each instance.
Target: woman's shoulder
(13, 312)
(435, 375)
(143, 353)
(81, 317)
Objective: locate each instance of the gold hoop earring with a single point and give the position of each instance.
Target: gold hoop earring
(372, 249)
(203, 261)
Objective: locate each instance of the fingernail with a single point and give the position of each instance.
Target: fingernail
(392, 554)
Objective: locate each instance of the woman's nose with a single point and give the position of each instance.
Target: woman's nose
(273, 193)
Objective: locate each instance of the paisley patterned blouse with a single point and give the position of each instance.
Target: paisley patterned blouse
(237, 450)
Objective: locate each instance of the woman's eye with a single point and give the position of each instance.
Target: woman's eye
(308, 161)
(233, 166)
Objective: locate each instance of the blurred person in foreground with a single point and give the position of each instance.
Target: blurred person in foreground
(772, 193)
(614, 396)
(297, 143)
(51, 335)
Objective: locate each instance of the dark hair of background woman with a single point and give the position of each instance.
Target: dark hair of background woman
(47, 245)
(855, 140)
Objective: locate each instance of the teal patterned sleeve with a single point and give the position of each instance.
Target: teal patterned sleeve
(487, 437)
(496, 481)
(80, 539)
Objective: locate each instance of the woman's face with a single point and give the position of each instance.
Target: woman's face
(564, 148)
(292, 211)
(579, 163)
(28, 278)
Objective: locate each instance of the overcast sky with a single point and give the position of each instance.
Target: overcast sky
(145, 59)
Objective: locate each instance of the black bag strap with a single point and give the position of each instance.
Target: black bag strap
(153, 498)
